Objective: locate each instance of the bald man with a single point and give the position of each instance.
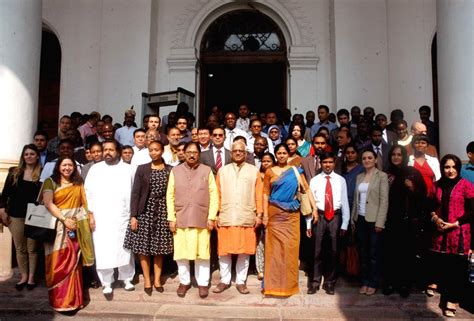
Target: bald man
(418, 128)
(241, 211)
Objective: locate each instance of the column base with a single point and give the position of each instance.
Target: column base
(5, 236)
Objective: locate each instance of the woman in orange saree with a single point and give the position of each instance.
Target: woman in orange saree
(64, 197)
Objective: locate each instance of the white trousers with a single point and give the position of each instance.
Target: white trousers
(241, 268)
(125, 273)
(201, 271)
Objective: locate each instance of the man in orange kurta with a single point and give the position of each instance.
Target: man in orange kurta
(241, 211)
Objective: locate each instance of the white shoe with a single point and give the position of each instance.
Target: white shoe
(107, 290)
(128, 285)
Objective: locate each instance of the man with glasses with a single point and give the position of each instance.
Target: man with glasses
(192, 202)
(217, 156)
(241, 211)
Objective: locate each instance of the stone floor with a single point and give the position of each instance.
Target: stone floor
(347, 304)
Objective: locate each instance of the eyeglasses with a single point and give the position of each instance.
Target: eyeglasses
(256, 126)
(218, 135)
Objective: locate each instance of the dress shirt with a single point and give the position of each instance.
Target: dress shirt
(329, 125)
(384, 136)
(230, 134)
(136, 150)
(43, 157)
(374, 148)
(170, 157)
(141, 157)
(86, 130)
(203, 149)
(339, 194)
(214, 153)
(243, 124)
(251, 141)
(124, 135)
(467, 172)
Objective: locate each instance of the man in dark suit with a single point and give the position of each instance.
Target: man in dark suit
(311, 164)
(380, 147)
(217, 156)
(40, 139)
(388, 136)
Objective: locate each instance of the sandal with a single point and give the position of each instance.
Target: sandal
(430, 292)
(449, 312)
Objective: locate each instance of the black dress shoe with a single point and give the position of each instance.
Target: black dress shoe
(159, 289)
(329, 289)
(387, 290)
(404, 292)
(20, 286)
(148, 291)
(30, 286)
(95, 284)
(312, 289)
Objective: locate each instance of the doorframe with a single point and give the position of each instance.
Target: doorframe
(238, 58)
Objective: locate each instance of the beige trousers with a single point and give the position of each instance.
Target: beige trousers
(26, 248)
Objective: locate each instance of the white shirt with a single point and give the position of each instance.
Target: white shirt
(141, 157)
(124, 135)
(363, 189)
(136, 150)
(339, 194)
(230, 134)
(203, 149)
(49, 168)
(251, 141)
(377, 149)
(108, 191)
(243, 124)
(384, 136)
(432, 162)
(214, 152)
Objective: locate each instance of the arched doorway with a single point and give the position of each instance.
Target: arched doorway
(243, 59)
(49, 85)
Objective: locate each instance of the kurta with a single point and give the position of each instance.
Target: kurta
(191, 242)
(108, 190)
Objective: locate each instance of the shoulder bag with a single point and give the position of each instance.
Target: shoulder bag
(305, 205)
(40, 225)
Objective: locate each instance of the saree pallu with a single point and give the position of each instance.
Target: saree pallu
(282, 237)
(65, 256)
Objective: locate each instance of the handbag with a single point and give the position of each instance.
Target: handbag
(40, 225)
(305, 204)
(352, 258)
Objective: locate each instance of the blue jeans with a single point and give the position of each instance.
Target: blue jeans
(370, 245)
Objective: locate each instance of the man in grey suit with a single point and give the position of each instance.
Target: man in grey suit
(388, 136)
(311, 164)
(380, 147)
(217, 156)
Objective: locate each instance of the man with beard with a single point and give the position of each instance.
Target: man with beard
(170, 155)
(192, 202)
(108, 188)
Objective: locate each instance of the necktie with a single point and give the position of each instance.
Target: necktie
(328, 204)
(231, 137)
(379, 158)
(218, 160)
(316, 164)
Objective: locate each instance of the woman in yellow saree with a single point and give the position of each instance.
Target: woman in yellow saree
(64, 197)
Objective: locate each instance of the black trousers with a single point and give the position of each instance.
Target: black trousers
(325, 250)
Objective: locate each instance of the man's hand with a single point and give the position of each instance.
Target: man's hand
(91, 222)
(378, 229)
(134, 224)
(258, 222)
(309, 233)
(5, 217)
(172, 226)
(315, 216)
(210, 225)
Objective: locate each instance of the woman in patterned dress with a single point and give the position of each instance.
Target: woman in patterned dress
(149, 234)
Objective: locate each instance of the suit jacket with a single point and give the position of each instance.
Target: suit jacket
(392, 138)
(141, 188)
(385, 159)
(376, 206)
(207, 158)
(309, 168)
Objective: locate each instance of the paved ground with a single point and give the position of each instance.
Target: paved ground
(347, 304)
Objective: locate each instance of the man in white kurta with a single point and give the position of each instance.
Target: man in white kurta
(108, 187)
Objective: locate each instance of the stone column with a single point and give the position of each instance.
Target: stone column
(455, 45)
(20, 50)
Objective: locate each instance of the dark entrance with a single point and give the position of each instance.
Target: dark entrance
(243, 60)
(50, 78)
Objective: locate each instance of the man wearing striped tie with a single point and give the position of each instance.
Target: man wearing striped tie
(217, 156)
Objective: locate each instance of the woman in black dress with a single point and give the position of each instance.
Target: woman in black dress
(406, 210)
(149, 234)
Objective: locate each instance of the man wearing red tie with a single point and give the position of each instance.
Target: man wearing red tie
(330, 192)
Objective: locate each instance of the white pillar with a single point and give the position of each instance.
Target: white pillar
(20, 50)
(455, 45)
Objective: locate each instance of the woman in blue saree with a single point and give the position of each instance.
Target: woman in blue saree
(282, 217)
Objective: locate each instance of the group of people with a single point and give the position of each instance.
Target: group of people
(293, 193)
